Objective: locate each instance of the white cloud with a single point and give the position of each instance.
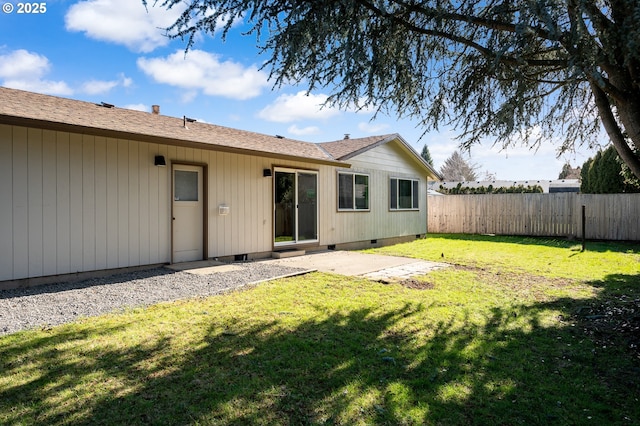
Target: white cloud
(203, 71)
(309, 130)
(40, 86)
(288, 108)
(137, 107)
(21, 69)
(22, 64)
(369, 127)
(95, 87)
(124, 22)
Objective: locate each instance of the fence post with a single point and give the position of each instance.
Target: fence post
(584, 227)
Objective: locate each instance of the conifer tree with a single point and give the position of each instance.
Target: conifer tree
(426, 155)
(503, 69)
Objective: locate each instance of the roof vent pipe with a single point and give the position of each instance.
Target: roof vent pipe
(155, 109)
(186, 120)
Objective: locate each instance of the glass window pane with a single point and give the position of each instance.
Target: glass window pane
(307, 206)
(285, 214)
(345, 191)
(186, 185)
(393, 193)
(416, 194)
(362, 192)
(404, 190)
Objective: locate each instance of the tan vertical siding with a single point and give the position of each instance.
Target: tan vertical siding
(100, 200)
(164, 210)
(112, 203)
(134, 205)
(215, 222)
(81, 203)
(20, 204)
(49, 202)
(381, 163)
(253, 201)
(34, 208)
(63, 204)
(75, 203)
(88, 204)
(236, 196)
(154, 204)
(145, 162)
(6, 206)
(123, 203)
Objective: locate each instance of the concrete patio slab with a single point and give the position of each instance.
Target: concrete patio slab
(372, 266)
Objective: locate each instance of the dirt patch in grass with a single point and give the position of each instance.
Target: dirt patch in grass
(517, 280)
(612, 321)
(416, 284)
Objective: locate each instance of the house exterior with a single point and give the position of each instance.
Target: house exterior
(90, 187)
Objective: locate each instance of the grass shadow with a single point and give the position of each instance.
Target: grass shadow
(535, 363)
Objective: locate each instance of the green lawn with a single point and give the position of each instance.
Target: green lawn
(519, 331)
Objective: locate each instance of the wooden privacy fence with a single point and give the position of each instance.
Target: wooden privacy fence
(608, 216)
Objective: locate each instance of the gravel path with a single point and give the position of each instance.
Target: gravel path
(55, 304)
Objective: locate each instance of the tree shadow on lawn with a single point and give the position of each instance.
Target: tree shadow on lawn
(366, 366)
(559, 242)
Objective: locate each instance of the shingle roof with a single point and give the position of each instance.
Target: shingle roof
(27, 108)
(347, 148)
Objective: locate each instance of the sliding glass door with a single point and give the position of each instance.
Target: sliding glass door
(296, 206)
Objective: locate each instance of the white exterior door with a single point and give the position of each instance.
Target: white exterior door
(188, 213)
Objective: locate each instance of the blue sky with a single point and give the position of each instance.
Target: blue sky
(114, 51)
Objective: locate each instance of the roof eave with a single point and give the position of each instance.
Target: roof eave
(404, 144)
(369, 147)
(95, 131)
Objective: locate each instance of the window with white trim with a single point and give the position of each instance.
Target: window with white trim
(404, 194)
(353, 191)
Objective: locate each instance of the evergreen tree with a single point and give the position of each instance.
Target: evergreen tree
(426, 155)
(610, 173)
(495, 68)
(585, 183)
(604, 175)
(594, 175)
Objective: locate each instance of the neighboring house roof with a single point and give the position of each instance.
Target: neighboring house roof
(548, 186)
(32, 109)
(346, 149)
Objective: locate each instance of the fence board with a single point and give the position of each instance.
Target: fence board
(608, 216)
